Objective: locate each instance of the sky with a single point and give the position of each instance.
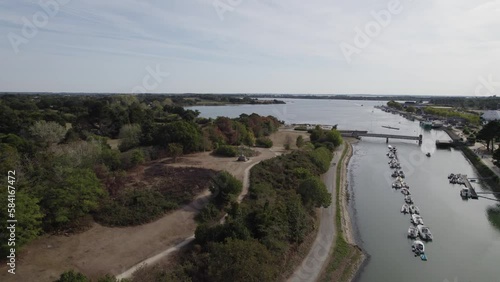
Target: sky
(425, 47)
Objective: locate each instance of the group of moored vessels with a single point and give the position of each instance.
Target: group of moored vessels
(418, 231)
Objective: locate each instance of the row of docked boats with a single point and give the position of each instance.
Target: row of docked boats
(456, 179)
(418, 231)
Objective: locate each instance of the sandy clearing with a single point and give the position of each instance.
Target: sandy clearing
(101, 250)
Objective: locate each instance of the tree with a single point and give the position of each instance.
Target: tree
(334, 137)
(489, 132)
(130, 136)
(395, 105)
(411, 109)
(175, 150)
(496, 157)
(225, 188)
(77, 195)
(264, 142)
(48, 133)
(314, 192)
(288, 142)
(28, 217)
(241, 260)
(185, 133)
(300, 141)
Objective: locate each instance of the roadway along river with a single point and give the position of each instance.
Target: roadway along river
(465, 248)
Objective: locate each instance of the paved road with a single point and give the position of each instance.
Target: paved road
(316, 259)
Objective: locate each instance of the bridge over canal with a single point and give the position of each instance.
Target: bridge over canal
(359, 134)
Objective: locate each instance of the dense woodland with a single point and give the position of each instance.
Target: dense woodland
(67, 174)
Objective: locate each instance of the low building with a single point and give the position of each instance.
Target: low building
(490, 116)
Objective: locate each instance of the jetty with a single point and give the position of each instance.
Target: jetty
(466, 182)
(359, 133)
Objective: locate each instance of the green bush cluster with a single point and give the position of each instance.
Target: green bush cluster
(133, 207)
(226, 151)
(264, 142)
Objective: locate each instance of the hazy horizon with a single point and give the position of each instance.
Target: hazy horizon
(431, 48)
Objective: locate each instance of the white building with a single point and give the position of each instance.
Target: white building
(491, 115)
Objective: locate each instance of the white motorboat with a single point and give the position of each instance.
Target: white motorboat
(405, 191)
(408, 199)
(396, 185)
(401, 174)
(414, 209)
(412, 232)
(405, 209)
(418, 247)
(465, 193)
(417, 219)
(395, 174)
(424, 232)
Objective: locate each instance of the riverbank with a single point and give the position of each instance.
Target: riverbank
(346, 256)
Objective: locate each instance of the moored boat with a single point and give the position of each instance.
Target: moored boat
(424, 232)
(412, 232)
(414, 209)
(405, 209)
(417, 219)
(405, 191)
(418, 247)
(408, 199)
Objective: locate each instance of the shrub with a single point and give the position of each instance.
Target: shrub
(226, 151)
(264, 142)
(133, 207)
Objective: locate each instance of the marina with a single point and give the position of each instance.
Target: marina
(379, 228)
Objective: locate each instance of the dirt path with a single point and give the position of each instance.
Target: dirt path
(101, 250)
(317, 258)
(154, 259)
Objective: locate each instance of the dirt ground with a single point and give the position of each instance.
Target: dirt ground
(101, 250)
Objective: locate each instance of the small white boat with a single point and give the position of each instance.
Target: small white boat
(396, 185)
(424, 232)
(412, 232)
(417, 219)
(405, 209)
(414, 209)
(418, 247)
(405, 191)
(401, 174)
(465, 193)
(408, 199)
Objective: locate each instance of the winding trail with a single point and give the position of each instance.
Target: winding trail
(156, 258)
(318, 256)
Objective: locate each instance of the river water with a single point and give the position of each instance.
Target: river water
(466, 246)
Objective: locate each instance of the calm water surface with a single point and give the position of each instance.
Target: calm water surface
(465, 248)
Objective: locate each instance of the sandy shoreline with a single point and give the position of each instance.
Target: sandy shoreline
(347, 226)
